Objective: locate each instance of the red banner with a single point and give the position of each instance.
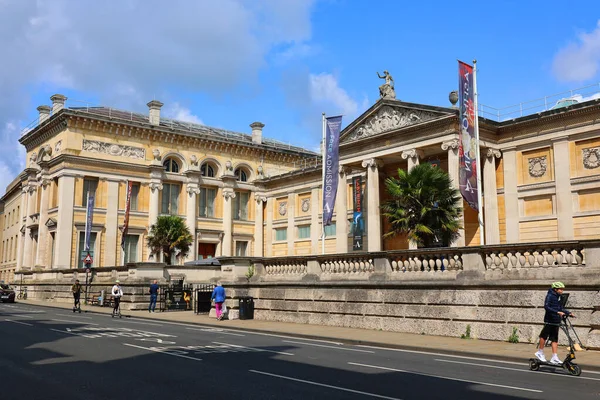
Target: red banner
(467, 148)
(127, 208)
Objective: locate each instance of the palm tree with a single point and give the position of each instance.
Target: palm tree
(170, 233)
(423, 205)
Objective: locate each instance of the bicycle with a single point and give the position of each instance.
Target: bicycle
(22, 293)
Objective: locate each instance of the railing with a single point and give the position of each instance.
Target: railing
(446, 260)
(285, 266)
(545, 103)
(540, 256)
(349, 264)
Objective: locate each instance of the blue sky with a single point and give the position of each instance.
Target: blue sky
(227, 63)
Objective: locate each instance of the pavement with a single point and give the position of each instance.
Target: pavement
(52, 353)
(486, 349)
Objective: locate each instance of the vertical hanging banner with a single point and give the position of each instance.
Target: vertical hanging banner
(126, 220)
(89, 219)
(467, 147)
(330, 166)
(358, 222)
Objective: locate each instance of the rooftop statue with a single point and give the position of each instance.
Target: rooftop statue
(386, 91)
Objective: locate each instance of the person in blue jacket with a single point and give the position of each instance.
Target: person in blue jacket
(552, 319)
(218, 296)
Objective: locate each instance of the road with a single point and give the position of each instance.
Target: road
(50, 353)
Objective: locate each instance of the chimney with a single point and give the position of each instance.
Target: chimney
(154, 113)
(44, 113)
(58, 103)
(257, 128)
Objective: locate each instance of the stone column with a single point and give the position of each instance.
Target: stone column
(316, 230)
(112, 225)
(562, 179)
(451, 147)
(291, 231)
(228, 196)
(259, 225)
(341, 213)
(269, 228)
(490, 198)
(190, 217)
(22, 212)
(413, 156)
(373, 210)
(28, 256)
(41, 258)
(155, 188)
(64, 224)
(511, 199)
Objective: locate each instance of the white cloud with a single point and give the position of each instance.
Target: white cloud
(325, 90)
(180, 113)
(124, 53)
(579, 61)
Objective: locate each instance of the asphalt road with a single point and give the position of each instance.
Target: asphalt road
(49, 353)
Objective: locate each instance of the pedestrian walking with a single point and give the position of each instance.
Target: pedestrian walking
(76, 289)
(154, 288)
(218, 296)
(117, 293)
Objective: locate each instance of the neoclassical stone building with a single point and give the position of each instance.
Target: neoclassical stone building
(243, 194)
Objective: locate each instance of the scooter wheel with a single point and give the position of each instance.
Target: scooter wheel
(533, 365)
(574, 369)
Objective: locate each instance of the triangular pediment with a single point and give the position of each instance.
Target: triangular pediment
(390, 115)
(51, 222)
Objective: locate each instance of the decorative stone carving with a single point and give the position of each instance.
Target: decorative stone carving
(44, 182)
(538, 166)
(58, 146)
(591, 158)
(282, 208)
(229, 194)
(260, 172)
(194, 160)
(387, 91)
(228, 166)
(342, 170)
(491, 153)
(453, 97)
(155, 186)
(260, 198)
(94, 146)
(372, 163)
(192, 190)
(450, 144)
(305, 205)
(33, 158)
(389, 118)
(412, 153)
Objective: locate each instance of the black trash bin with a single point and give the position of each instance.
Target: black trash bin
(246, 307)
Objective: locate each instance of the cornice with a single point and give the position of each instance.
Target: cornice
(585, 179)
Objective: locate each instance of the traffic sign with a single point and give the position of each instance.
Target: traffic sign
(88, 259)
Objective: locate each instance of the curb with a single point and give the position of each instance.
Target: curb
(411, 348)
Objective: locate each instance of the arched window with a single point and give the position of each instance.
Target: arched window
(171, 165)
(240, 175)
(207, 170)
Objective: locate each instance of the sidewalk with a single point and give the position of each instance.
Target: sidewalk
(519, 352)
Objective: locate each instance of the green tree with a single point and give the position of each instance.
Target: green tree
(169, 234)
(423, 205)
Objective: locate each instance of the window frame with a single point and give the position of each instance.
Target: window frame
(203, 204)
(237, 206)
(88, 183)
(331, 227)
(277, 230)
(240, 173)
(205, 168)
(300, 228)
(135, 195)
(169, 163)
(167, 187)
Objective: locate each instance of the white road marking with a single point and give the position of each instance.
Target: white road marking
(139, 322)
(22, 316)
(210, 330)
(324, 385)
(514, 369)
(74, 322)
(18, 322)
(330, 347)
(67, 332)
(160, 341)
(162, 352)
(74, 315)
(255, 349)
(447, 378)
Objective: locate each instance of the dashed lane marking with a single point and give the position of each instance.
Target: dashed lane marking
(283, 353)
(18, 322)
(154, 350)
(329, 347)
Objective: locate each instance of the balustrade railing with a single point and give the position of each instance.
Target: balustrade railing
(347, 264)
(534, 256)
(425, 262)
(285, 266)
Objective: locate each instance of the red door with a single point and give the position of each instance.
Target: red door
(206, 250)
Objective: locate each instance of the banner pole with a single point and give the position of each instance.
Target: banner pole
(478, 160)
(323, 147)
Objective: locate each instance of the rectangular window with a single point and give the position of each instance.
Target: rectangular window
(330, 230)
(89, 185)
(304, 232)
(131, 248)
(82, 252)
(53, 247)
(133, 201)
(240, 206)
(241, 247)
(280, 234)
(170, 198)
(206, 207)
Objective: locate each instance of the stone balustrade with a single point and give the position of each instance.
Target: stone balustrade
(285, 266)
(543, 255)
(347, 264)
(425, 261)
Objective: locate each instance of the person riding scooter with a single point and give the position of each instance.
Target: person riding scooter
(552, 319)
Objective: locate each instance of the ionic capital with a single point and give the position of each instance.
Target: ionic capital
(412, 153)
(372, 163)
(154, 186)
(260, 198)
(450, 144)
(228, 194)
(192, 190)
(491, 153)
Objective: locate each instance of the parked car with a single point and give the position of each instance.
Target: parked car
(7, 294)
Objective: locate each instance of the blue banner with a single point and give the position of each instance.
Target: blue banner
(89, 218)
(330, 166)
(358, 222)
